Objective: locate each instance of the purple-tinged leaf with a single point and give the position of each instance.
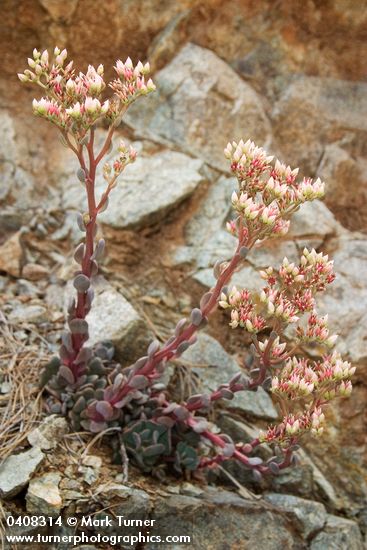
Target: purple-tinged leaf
(67, 374)
(79, 253)
(196, 317)
(78, 326)
(105, 409)
(80, 222)
(139, 382)
(81, 283)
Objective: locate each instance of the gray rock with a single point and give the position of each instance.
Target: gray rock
(271, 253)
(310, 516)
(113, 318)
(165, 45)
(220, 367)
(314, 219)
(297, 480)
(219, 520)
(17, 470)
(28, 313)
(49, 432)
(346, 189)
(43, 495)
(345, 300)
(338, 534)
(90, 469)
(197, 94)
(214, 209)
(147, 191)
(323, 488)
(315, 111)
(247, 277)
(132, 503)
(20, 159)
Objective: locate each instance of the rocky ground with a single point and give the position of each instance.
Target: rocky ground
(223, 71)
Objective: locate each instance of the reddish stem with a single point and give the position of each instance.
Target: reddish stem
(81, 310)
(169, 350)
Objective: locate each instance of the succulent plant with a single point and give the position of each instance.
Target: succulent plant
(147, 442)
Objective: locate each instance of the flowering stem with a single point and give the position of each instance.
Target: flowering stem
(170, 349)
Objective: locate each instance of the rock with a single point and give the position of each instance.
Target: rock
(297, 480)
(247, 277)
(21, 159)
(35, 272)
(28, 313)
(57, 14)
(11, 255)
(132, 503)
(338, 534)
(43, 495)
(190, 490)
(90, 469)
(168, 41)
(197, 94)
(148, 191)
(221, 519)
(346, 189)
(113, 318)
(49, 432)
(17, 470)
(323, 488)
(313, 112)
(26, 288)
(309, 516)
(212, 212)
(314, 219)
(345, 300)
(219, 369)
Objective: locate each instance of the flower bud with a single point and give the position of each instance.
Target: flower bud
(23, 77)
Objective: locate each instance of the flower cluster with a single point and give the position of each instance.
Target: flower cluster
(73, 102)
(268, 192)
(313, 382)
(289, 293)
(317, 331)
(131, 81)
(243, 310)
(294, 426)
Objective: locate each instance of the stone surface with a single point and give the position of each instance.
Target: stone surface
(132, 503)
(20, 159)
(346, 299)
(43, 495)
(346, 189)
(11, 255)
(314, 111)
(221, 519)
(114, 318)
(339, 534)
(197, 93)
(147, 191)
(309, 516)
(314, 219)
(17, 470)
(35, 272)
(49, 432)
(219, 369)
(28, 313)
